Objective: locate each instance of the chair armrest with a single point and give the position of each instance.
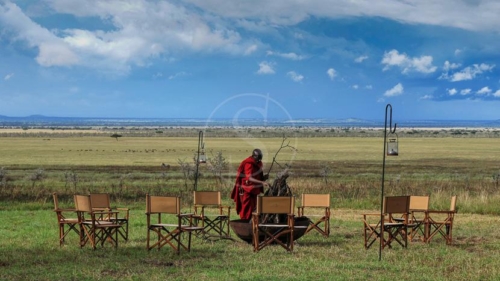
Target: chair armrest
(372, 214)
(440, 212)
(185, 215)
(64, 210)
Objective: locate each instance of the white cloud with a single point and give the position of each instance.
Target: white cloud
(251, 49)
(465, 92)
(290, 56)
(447, 13)
(295, 76)
(266, 68)
(470, 72)
(458, 52)
(426, 97)
(421, 64)
(484, 91)
(8, 76)
(369, 87)
(452, 92)
(177, 75)
(332, 73)
(450, 66)
(497, 94)
(355, 87)
(136, 32)
(360, 59)
(395, 91)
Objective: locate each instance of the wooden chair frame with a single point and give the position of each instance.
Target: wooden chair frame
(213, 216)
(93, 228)
(393, 222)
(63, 221)
(441, 222)
(168, 233)
(321, 201)
(101, 202)
(265, 234)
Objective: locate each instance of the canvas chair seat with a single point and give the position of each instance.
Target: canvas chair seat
(163, 208)
(281, 233)
(321, 222)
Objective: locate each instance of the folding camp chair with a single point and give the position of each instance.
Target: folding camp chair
(388, 228)
(279, 232)
(441, 222)
(101, 202)
(316, 201)
(213, 216)
(93, 229)
(168, 233)
(63, 221)
(418, 206)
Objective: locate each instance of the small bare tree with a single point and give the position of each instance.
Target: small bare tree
(71, 179)
(37, 176)
(217, 165)
(325, 171)
(188, 171)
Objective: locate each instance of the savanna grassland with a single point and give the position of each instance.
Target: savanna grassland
(344, 162)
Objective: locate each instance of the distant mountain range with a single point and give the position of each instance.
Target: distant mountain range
(40, 120)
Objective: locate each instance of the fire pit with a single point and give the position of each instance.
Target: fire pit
(243, 228)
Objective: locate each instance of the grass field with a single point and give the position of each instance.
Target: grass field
(347, 168)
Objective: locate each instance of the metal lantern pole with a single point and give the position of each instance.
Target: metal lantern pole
(391, 131)
(200, 143)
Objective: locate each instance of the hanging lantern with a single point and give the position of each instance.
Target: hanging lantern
(392, 146)
(202, 158)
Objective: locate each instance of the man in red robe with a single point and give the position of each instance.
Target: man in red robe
(250, 182)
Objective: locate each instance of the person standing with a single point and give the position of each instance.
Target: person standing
(250, 182)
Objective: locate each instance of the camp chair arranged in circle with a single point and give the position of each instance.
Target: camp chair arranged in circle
(65, 224)
(441, 222)
(277, 231)
(93, 228)
(101, 202)
(211, 214)
(321, 222)
(169, 227)
(388, 226)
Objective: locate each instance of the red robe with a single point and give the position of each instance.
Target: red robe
(245, 192)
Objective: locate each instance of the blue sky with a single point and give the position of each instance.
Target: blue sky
(264, 59)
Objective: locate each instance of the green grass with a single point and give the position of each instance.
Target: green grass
(131, 167)
(30, 251)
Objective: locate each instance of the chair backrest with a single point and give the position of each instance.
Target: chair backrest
(56, 201)
(453, 204)
(207, 197)
(275, 204)
(396, 204)
(100, 200)
(82, 203)
(163, 204)
(315, 200)
(419, 203)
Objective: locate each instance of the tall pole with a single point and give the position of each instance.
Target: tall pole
(200, 141)
(392, 131)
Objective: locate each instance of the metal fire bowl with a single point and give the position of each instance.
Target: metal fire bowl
(243, 228)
